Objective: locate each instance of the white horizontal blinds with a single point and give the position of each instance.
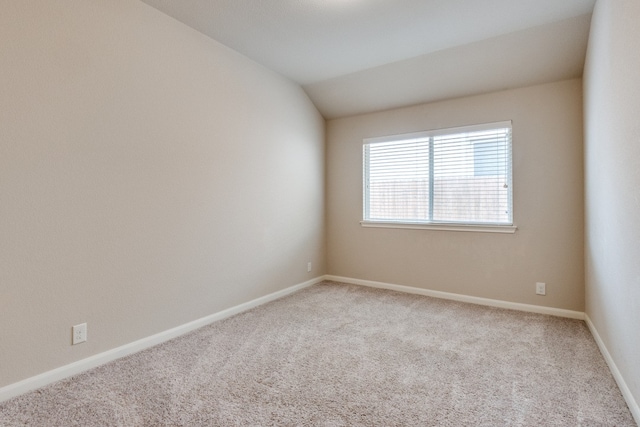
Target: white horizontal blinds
(458, 175)
(471, 177)
(397, 180)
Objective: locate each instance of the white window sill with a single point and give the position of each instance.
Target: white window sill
(479, 228)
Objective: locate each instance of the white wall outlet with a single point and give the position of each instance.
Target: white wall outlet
(309, 267)
(79, 334)
(541, 288)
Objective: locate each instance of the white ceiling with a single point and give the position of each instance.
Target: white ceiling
(355, 56)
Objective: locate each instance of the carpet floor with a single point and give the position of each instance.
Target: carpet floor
(343, 355)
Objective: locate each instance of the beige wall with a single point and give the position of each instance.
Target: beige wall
(149, 176)
(612, 179)
(548, 203)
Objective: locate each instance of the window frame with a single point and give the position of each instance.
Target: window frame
(437, 224)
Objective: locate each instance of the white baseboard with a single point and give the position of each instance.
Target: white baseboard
(462, 298)
(624, 389)
(75, 368)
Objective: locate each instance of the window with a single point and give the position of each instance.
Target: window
(454, 177)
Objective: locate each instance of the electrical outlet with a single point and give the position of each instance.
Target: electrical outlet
(79, 334)
(541, 288)
(309, 267)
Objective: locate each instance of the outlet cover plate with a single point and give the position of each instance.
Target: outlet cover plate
(79, 334)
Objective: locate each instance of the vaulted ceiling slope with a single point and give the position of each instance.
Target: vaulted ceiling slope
(356, 56)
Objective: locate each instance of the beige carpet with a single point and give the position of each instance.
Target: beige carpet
(337, 355)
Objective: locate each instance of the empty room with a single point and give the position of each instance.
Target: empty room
(319, 213)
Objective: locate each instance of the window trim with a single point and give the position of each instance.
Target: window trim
(508, 228)
(442, 226)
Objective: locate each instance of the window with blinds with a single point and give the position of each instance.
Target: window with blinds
(451, 176)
